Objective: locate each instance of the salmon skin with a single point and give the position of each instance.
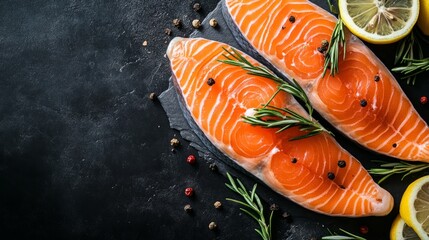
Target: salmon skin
(314, 172)
(364, 101)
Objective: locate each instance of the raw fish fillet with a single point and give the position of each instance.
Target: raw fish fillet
(314, 172)
(364, 101)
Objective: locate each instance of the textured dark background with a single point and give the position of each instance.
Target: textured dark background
(85, 153)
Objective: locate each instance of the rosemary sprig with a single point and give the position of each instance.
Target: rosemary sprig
(236, 59)
(406, 168)
(333, 8)
(253, 206)
(409, 50)
(412, 68)
(284, 118)
(272, 117)
(348, 236)
(332, 54)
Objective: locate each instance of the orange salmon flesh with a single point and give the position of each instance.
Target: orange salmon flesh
(364, 101)
(297, 169)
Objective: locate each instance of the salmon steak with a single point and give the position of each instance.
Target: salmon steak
(314, 172)
(363, 100)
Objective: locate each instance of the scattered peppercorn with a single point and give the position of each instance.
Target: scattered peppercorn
(144, 43)
(363, 103)
(423, 99)
(394, 145)
(196, 23)
(213, 167)
(274, 207)
(197, 7)
(341, 163)
(287, 217)
(363, 229)
(212, 226)
(324, 43)
(167, 31)
(187, 208)
(152, 96)
(342, 187)
(174, 142)
(217, 205)
(191, 159)
(211, 81)
(189, 192)
(331, 175)
(292, 19)
(177, 23)
(377, 78)
(213, 22)
(294, 160)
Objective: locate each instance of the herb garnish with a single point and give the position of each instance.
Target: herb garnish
(337, 40)
(348, 236)
(408, 51)
(263, 117)
(332, 54)
(253, 206)
(412, 68)
(405, 168)
(270, 116)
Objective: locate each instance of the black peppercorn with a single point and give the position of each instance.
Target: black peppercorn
(363, 103)
(331, 175)
(294, 160)
(341, 163)
(394, 145)
(377, 78)
(287, 217)
(292, 19)
(213, 167)
(274, 207)
(211, 81)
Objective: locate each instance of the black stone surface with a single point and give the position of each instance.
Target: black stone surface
(85, 154)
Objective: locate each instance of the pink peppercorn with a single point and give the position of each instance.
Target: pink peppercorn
(191, 159)
(189, 192)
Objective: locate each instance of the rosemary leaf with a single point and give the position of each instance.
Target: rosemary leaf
(348, 236)
(332, 54)
(408, 50)
(406, 168)
(272, 117)
(284, 118)
(332, 8)
(412, 68)
(236, 59)
(253, 206)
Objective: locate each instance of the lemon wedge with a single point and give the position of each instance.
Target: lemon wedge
(401, 231)
(379, 21)
(423, 21)
(414, 207)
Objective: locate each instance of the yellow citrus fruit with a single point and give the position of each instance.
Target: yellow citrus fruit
(379, 21)
(414, 207)
(423, 21)
(401, 231)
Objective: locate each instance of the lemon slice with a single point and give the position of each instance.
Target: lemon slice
(379, 21)
(423, 21)
(401, 231)
(414, 207)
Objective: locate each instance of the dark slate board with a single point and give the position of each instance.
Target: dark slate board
(306, 224)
